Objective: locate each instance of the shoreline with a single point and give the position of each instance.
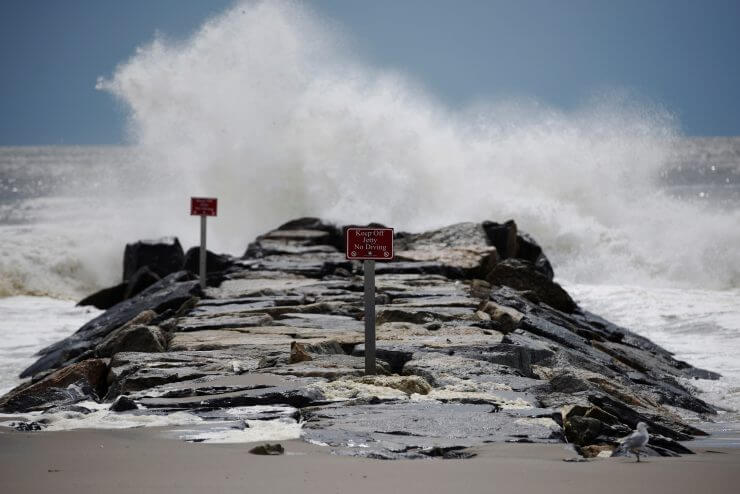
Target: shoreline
(142, 460)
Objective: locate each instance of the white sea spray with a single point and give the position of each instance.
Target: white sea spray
(266, 108)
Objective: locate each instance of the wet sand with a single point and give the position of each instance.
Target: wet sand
(142, 460)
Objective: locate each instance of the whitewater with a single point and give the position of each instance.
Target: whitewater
(267, 107)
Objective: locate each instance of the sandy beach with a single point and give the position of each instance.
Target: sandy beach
(145, 461)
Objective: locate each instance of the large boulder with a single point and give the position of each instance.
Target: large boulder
(521, 275)
(214, 262)
(123, 404)
(503, 236)
(458, 235)
(142, 279)
(83, 380)
(299, 236)
(462, 250)
(529, 250)
(162, 256)
(106, 298)
(454, 261)
(582, 430)
(510, 243)
(507, 318)
(135, 338)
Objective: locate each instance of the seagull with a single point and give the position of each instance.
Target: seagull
(636, 441)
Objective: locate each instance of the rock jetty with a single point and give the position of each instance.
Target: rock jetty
(475, 343)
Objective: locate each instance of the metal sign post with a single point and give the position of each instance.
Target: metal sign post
(369, 245)
(369, 273)
(203, 207)
(203, 252)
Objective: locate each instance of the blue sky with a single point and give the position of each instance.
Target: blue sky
(681, 55)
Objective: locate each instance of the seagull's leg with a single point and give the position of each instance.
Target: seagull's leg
(637, 453)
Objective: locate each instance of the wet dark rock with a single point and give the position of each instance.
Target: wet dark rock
(695, 373)
(214, 262)
(503, 236)
(448, 453)
(163, 256)
(582, 430)
(142, 279)
(135, 338)
(267, 449)
(123, 404)
(656, 366)
(529, 250)
(511, 244)
(649, 450)
(664, 443)
(522, 275)
(77, 382)
(597, 430)
(558, 334)
(669, 391)
(567, 360)
(26, 426)
(106, 298)
(146, 378)
(673, 428)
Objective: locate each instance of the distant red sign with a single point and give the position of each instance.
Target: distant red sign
(203, 206)
(369, 244)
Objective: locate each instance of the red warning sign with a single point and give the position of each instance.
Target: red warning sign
(374, 244)
(203, 206)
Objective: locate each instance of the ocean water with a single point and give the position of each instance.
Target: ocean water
(267, 108)
(28, 324)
